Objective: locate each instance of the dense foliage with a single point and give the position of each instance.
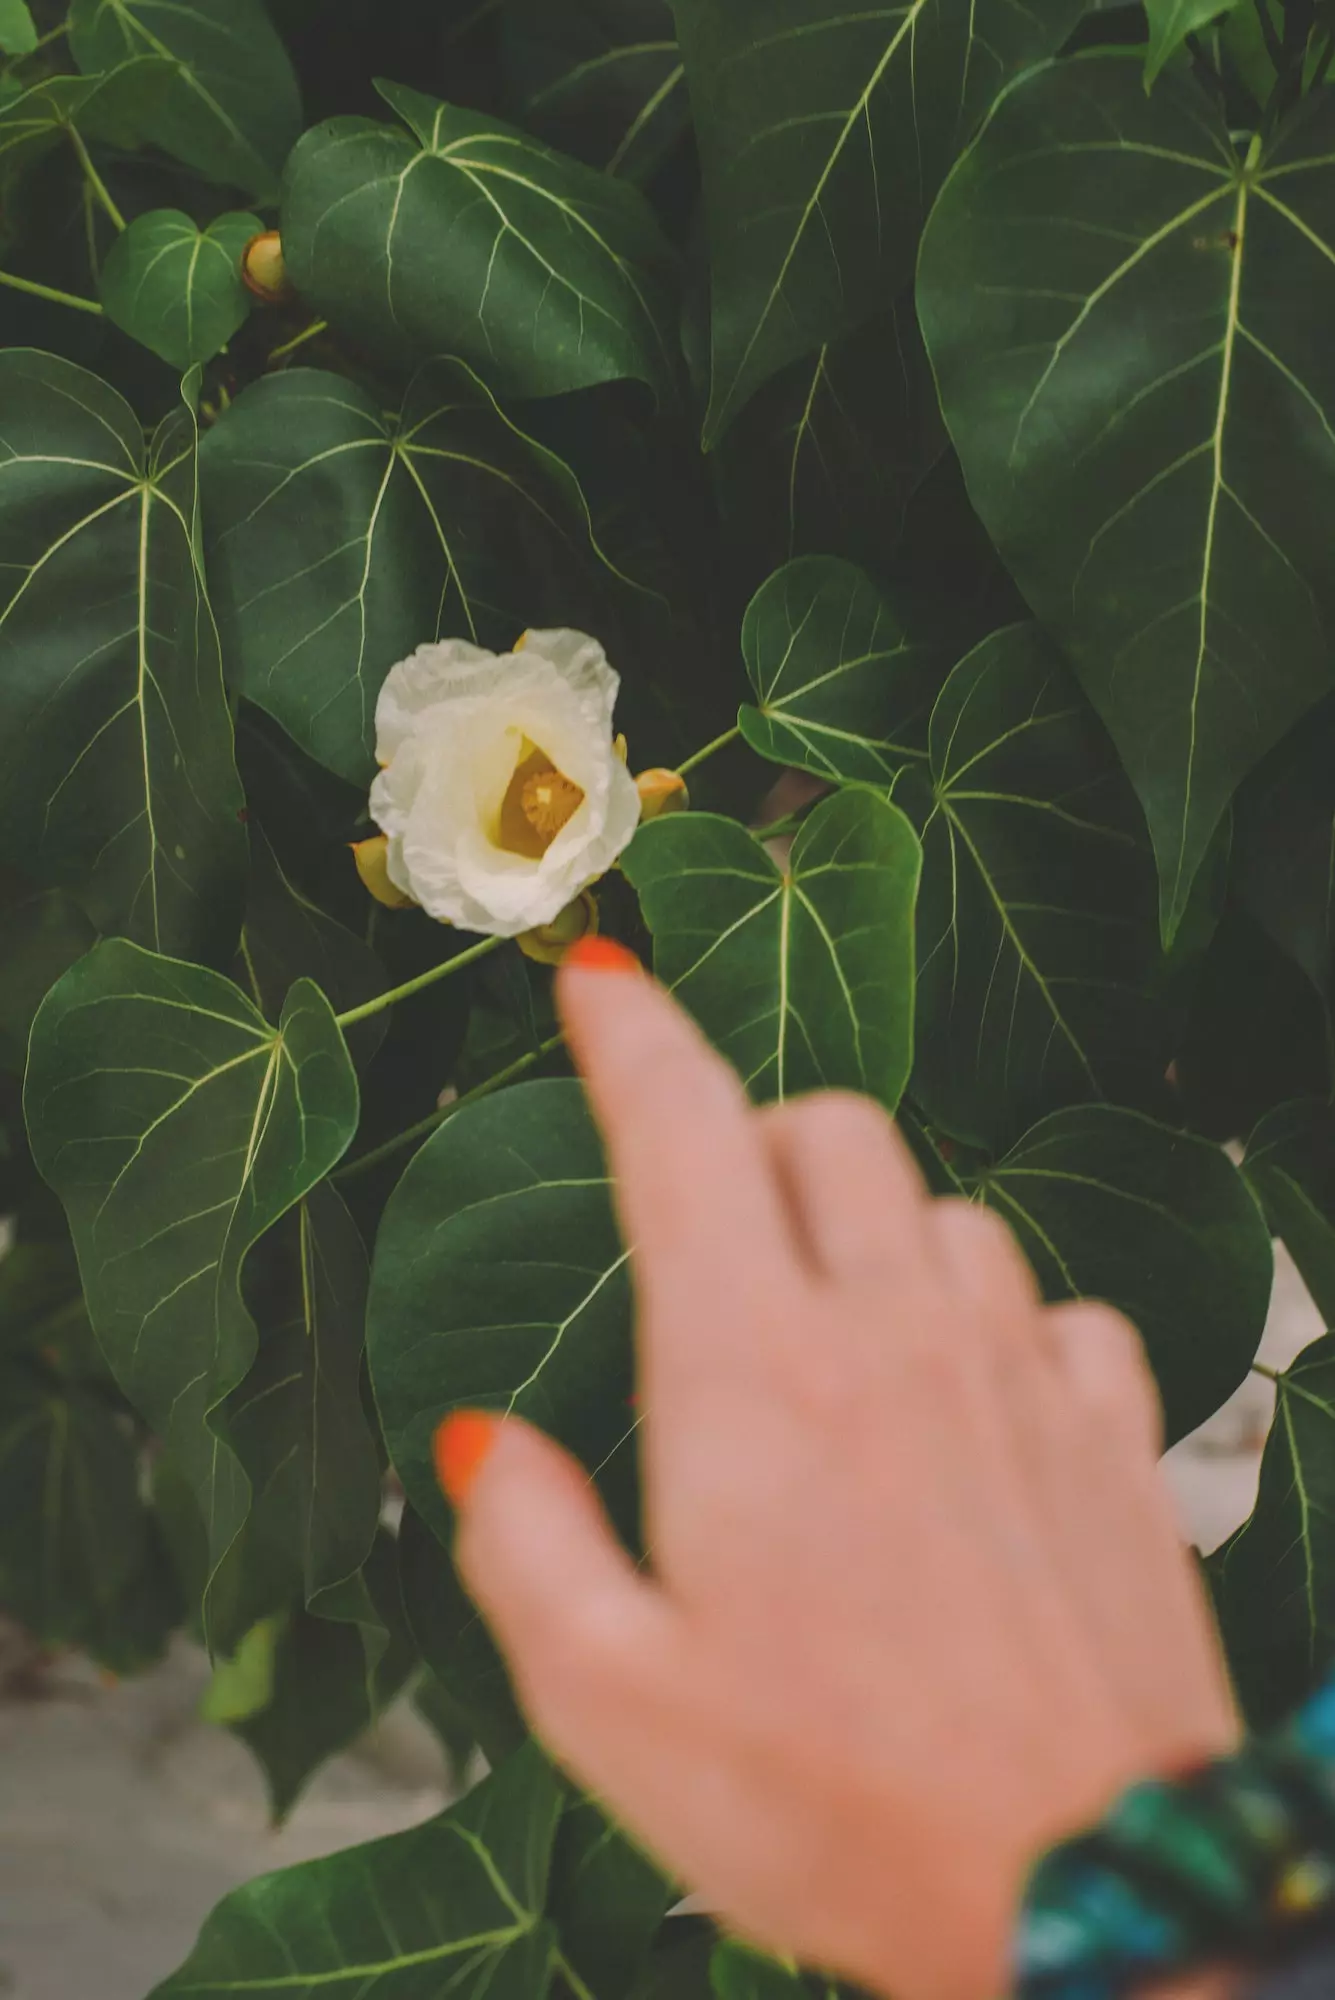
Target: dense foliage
(1006, 331)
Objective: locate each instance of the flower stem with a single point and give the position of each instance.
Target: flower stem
(427, 1126)
(719, 743)
(481, 949)
(94, 178)
(311, 332)
(49, 292)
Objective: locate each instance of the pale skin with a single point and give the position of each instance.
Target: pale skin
(917, 1604)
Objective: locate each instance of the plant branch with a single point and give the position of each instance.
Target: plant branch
(1274, 48)
(427, 1126)
(49, 292)
(719, 743)
(94, 178)
(311, 332)
(419, 985)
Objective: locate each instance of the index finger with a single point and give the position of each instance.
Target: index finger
(695, 1187)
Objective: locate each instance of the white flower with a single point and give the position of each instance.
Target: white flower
(501, 790)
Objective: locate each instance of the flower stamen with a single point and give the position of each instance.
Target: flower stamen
(539, 801)
(550, 801)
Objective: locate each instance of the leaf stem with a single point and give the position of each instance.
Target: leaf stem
(571, 1977)
(1271, 1374)
(719, 743)
(311, 332)
(49, 292)
(423, 980)
(427, 1126)
(94, 178)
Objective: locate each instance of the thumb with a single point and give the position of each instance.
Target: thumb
(582, 1631)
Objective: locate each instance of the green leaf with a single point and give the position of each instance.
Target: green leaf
(802, 976)
(453, 1906)
(177, 1127)
(608, 1900)
(602, 79)
(286, 937)
(232, 110)
(341, 539)
(1172, 21)
(1284, 838)
(1111, 1205)
(18, 35)
(1125, 321)
(177, 288)
(1274, 1581)
(738, 1973)
(1037, 945)
(44, 934)
(826, 456)
(38, 120)
(455, 1318)
(71, 1521)
(297, 1426)
(1290, 1163)
(454, 1642)
(824, 134)
(326, 1687)
(243, 1685)
(842, 689)
(117, 780)
(471, 238)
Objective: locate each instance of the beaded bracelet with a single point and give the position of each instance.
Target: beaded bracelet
(1233, 1862)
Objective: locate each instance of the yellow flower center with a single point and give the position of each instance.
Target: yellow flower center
(539, 801)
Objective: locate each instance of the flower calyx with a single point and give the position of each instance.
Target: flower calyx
(662, 792)
(372, 859)
(549, 943)
(264, 270)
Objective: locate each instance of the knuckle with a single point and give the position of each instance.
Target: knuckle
(839, 1119)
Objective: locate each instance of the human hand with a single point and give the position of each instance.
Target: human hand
(918, 1604)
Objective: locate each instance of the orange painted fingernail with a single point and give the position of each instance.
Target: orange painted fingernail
(601, 954)
(462, 1444)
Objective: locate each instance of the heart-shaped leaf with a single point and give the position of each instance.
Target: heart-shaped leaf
(841, 687)
(1125, 316)
(177, 1127)
(803, 975)
(341, 539)
(455, 1905)
(456, 1319)
(824, 133)
(1290, 1163)
(1037, 945)
(116, 771)
(602, 79)
(1111, 1205)
(1274, 1581)
(106, 105)
(176, 287)
(471, 238)
(232, 109)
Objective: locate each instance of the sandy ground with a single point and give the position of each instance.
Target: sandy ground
(123, 1819)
